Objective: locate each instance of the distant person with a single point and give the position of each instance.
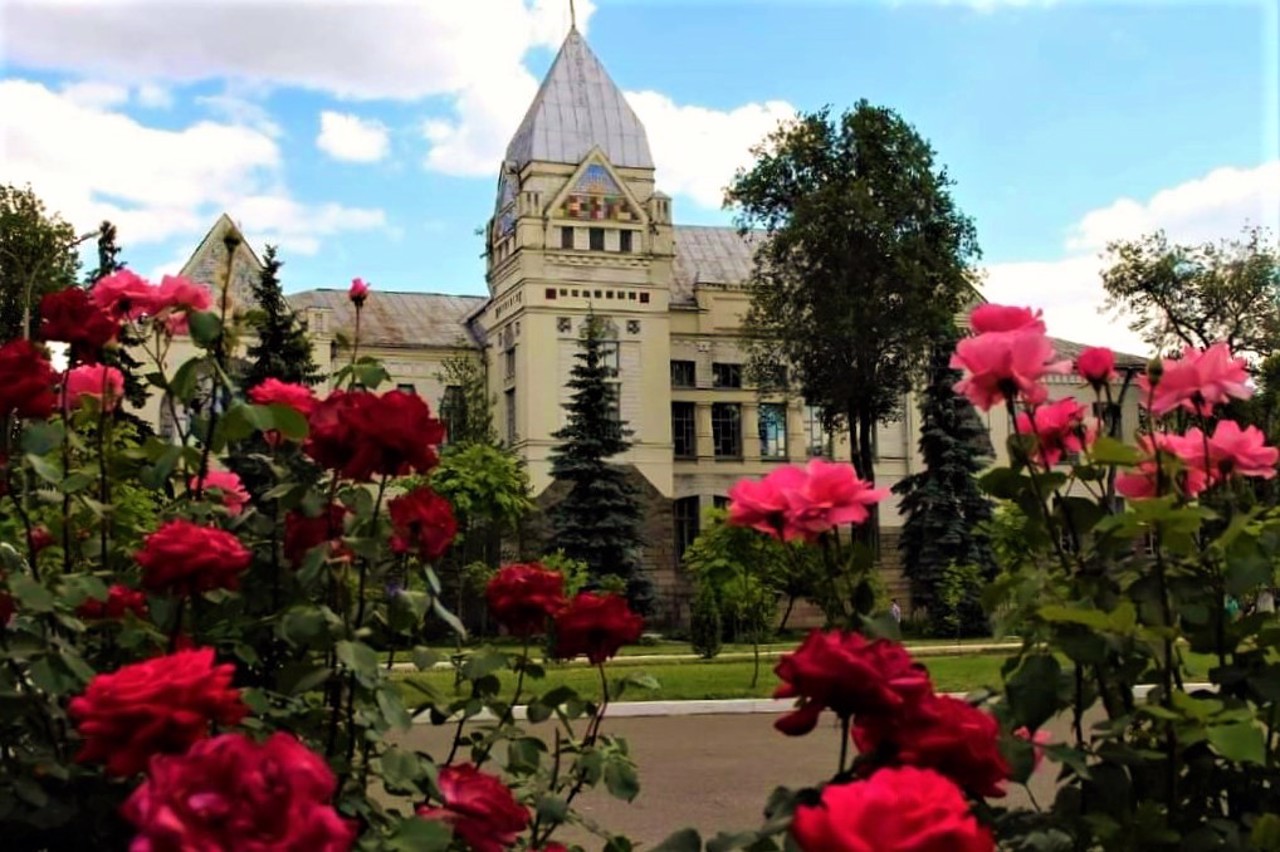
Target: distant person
(1266, 602)
(895, 611)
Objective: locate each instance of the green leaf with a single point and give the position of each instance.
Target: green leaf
(1266, 833)
(424, 658)
(206, 328)
(392, 707)
(1033, 690)
(1242, 741)
(42, 437)
(621, 780)
(401, 771)
(154, 476)
(1110, 451)
(419, 835)
(524, 754)
(45, 469)
(185, 382)
(452, 620)
(684, 840)
(289, 422)
(483, 662)
(31, 596)
(552, 810)
(360, 660)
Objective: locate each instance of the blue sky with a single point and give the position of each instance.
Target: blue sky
(1063, 124)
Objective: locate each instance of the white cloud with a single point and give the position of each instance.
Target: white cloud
(1213, 207)
(402, 49)
(240, 111)
(351, 138)
(696, 150)
(90, 93)
(153, 96)
(155, 184)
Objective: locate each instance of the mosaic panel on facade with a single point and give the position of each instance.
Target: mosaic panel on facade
(596, 197)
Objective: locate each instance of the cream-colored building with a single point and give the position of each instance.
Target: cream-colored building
(580, 224)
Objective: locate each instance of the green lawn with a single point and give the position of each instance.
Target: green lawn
(712, 679)
(702, 679)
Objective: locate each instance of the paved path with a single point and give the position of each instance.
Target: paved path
(710, 772)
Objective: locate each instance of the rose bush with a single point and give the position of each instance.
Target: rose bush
(213, 679)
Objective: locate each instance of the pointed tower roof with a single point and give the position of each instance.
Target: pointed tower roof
(577, 108)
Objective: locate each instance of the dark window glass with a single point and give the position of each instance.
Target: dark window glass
(686, 518)
(683, 374)
(596, 237)
(684, 434)
(726, 429)
(726, 375)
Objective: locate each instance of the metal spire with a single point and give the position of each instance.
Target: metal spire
(573, 17)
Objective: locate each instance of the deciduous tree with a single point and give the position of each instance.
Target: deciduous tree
(1199, 294)
(37, 256)
(864, 257)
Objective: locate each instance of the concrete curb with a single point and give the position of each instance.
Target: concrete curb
(726, 706)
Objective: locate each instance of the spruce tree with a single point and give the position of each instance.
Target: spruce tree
(942, 503)
(282, 350)
(598, 521)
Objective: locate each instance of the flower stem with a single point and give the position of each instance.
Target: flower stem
(844, 744)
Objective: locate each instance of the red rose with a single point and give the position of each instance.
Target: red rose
(275, 392)
(120, 599)
(895, 810)
(69, 316)
(479, 808)
(157, 706)
(523, 597)
(231, 794)
(303, 533)
(596, 625)
(186, 558)
(848, 674)
(41, 538)
(946, 735)
(422, 520)
(362, 435)
(27, 389)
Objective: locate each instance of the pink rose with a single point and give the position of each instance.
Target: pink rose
(176, 298)
(232, 490)
(1096, 365)
(762, 503)
(1233, 450)
(123, 295)
(831, 495)
(359, 292)
(1198, 381)
(1038, 741)
(1148, 480)
(1059, 427)
(1003, 365)
(94, 381)
(986, 319)
(275, 392)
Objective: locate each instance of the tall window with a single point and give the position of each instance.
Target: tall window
(726, 429)
(684, 374)
(686, 517)
(624, 241)
(773, 430)
(511, 416)
(609, 357)
(817, 439)
(509, 364)
(453, 413)
(566, 238)
(596, 238)
(684, 433)
(726, 375)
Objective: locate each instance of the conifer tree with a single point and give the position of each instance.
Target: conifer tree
(282, 350)
(598, 521)
(942, 503)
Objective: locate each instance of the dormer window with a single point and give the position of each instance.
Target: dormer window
(566, 238)
(596, 238)
(624, 242)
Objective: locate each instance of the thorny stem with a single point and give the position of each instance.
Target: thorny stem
(66, 469)
(25, 520)
(593, 730)
(176, 632)
(844, 744)
(508, 715)
(104, 483)
(220, 358)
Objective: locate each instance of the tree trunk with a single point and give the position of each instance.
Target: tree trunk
(863, 450)
(786, 615)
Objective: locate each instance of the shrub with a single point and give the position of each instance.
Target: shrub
(705, 627)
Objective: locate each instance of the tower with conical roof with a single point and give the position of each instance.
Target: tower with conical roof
(578, 225)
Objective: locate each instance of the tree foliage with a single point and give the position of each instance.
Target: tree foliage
(865, 256)
(598, 520)
(282, 350)
(943, 505)
(37, 256)
(1199, 294)
(467, 407)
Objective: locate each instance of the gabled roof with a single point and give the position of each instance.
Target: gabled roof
(397, 319)
(221, 227)
(577, 108)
